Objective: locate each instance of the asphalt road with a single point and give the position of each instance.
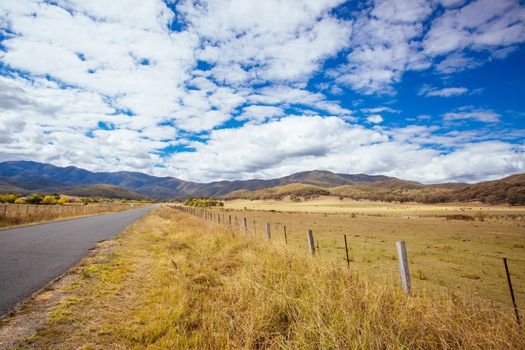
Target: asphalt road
(32, 256)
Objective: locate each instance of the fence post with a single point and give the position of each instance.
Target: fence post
(285, 237)
(511, 291)
(346, 249)
(245, 225)
(254, 228)
(311, 242)
(230, 221)
(403, 266)
(268, 232)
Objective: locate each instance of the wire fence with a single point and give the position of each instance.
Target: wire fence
(343, 247)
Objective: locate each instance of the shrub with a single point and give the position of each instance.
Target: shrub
(49, 200)
(203, 202)
(7, 198)
(86, 200)
(20, 201)
(34, 199)
(63, 200)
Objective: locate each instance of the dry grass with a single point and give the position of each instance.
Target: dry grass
(176, 282)
(458, 255)
(22, 214)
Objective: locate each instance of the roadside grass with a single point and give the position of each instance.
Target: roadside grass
(172, 281)
(454, 255)
(23, 214)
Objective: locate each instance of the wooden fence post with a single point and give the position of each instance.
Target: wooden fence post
(311, 242)
(268, 232)
(254, 228)
(403, 266)
(346, 249)
(285, 237)
(230, 221)
(245, 225)
(511, 291)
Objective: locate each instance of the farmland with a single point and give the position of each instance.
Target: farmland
(450, 247)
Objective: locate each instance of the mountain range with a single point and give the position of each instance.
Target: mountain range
(28, 176)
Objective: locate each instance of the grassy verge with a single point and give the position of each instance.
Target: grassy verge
(174, 282)
(12, 215)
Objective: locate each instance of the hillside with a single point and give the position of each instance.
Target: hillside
(103, 191)
(509, 190)
(8, 188)
(295, 190)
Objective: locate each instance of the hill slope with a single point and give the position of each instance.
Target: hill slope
(103, 191)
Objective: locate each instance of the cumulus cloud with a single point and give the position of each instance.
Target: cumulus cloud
(118, 85)
(274, 40)
(297, 144)
(393, 37)
(374, 118)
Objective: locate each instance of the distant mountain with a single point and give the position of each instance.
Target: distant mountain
(28, 176)
(39, 177)
(34, 176)
(509, 190)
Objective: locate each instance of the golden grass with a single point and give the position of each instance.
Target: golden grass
(463, 256)
(177, 282)
(22, 214)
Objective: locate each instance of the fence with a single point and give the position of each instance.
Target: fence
(242, 226)
(16, 214)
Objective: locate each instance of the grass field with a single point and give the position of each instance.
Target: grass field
(446, 250)
(173, 281)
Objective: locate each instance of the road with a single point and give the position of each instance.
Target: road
(32, 256)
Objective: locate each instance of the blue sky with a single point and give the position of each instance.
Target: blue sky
(426, 90)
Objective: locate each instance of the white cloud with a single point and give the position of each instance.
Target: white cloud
(479, 25)
(481, 115)
(379, 110)
(384, 45)
(107, 85)
(294, 144)
(277, 40)
(444, 92)
(374, 118)
(259, 114)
